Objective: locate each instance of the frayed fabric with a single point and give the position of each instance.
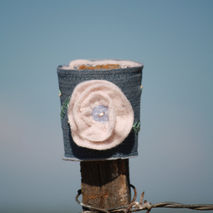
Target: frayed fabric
(99, 114)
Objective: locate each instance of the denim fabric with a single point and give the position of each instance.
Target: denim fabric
(129, 81)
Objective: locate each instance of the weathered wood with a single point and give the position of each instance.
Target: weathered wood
(105, 184)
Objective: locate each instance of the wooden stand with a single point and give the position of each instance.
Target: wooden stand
(105, 184)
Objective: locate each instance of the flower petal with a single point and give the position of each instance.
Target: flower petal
(91, 132)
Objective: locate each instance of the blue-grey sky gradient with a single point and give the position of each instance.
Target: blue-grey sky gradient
(174, 40)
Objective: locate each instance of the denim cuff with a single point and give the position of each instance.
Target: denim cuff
(129, 81)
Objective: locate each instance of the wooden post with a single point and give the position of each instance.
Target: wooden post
(105, 184)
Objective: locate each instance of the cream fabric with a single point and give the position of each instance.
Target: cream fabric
(123, 63)
(99, 114)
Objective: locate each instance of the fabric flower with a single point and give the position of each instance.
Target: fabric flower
(99, 114)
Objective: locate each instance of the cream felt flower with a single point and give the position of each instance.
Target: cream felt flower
(99, 114)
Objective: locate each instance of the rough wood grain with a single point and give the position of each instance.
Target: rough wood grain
(105, 184)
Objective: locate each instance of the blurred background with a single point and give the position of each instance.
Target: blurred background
(174, 40)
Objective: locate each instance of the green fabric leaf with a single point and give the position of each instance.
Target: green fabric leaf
(136, 126)
(64, 107)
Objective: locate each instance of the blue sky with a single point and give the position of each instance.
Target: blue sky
(173, 38)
